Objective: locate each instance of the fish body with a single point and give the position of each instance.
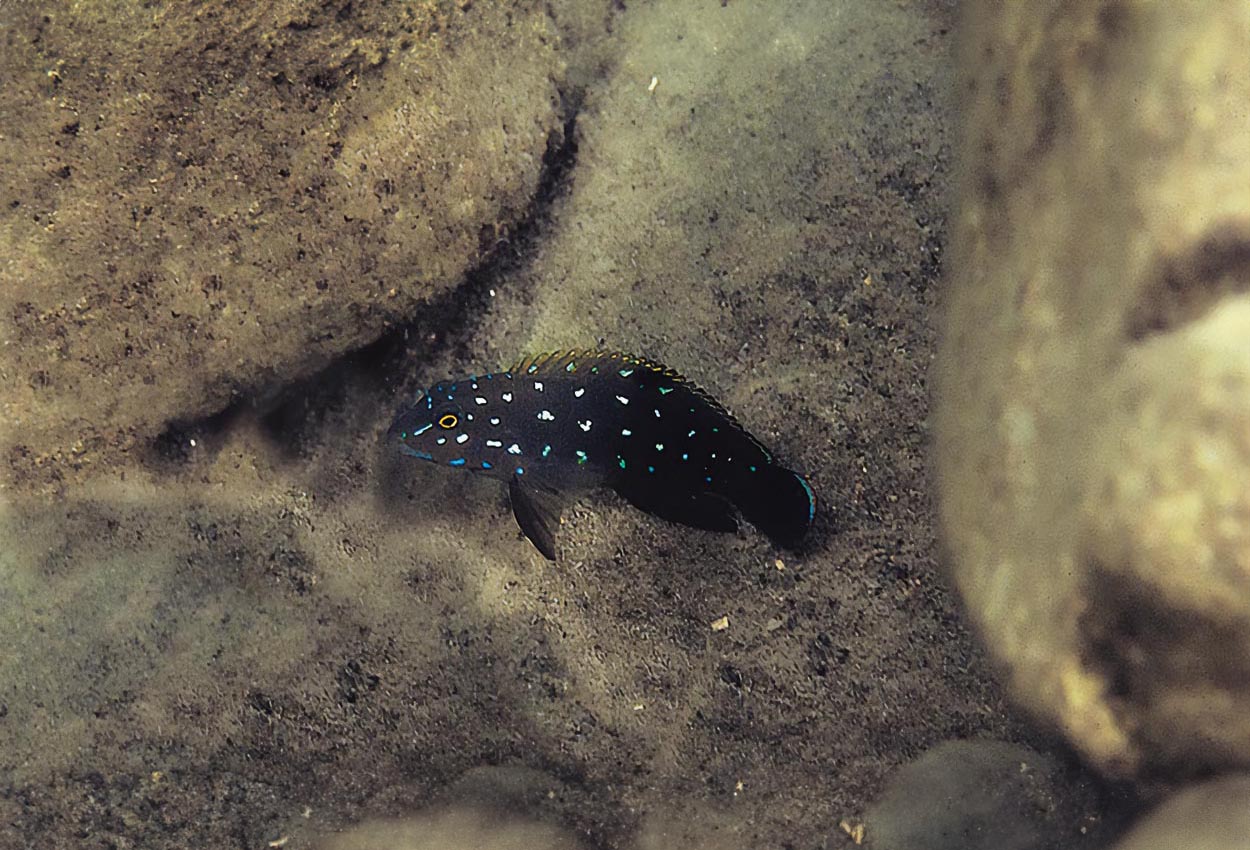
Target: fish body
(568, 421)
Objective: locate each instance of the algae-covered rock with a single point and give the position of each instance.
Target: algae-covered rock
(1093, 389)
(201, 198)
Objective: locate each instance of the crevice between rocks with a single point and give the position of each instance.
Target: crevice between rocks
(1147, 649)
(1185, 287)
(291, 412)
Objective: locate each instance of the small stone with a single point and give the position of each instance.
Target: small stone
(978, 795)
(1211, 816)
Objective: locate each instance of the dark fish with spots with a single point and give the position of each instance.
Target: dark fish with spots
(569, 421)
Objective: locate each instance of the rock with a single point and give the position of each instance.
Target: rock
(1093, 388)
(978, 794)
(213, 198)
(1212, 816)
(467, 828)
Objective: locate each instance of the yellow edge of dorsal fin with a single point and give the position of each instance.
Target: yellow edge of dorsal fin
(553, 360)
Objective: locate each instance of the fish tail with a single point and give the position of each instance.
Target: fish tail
(778, 502)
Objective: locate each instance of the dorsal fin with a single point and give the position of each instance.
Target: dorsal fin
(576, 358)
(573, 360)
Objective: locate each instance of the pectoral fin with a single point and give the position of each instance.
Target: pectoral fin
(537, 511)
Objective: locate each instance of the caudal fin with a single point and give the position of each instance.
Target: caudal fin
(779, 503)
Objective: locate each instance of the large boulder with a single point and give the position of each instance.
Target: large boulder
(214, 197)
(268, 636)
(1093, 389)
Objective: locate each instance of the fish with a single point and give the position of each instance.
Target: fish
(564, 422)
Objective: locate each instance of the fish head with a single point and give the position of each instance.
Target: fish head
(433, 428)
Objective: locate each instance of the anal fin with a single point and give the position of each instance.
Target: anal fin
(699, 510)
(537, 512)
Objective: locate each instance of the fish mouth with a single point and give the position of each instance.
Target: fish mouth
(401, 419)
(392, 433)
(401, 430)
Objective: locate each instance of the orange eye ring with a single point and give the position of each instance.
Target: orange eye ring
(448, 421)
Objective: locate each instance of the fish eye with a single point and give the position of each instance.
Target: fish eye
(448, 420)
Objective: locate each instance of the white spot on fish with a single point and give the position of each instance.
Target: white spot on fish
(507, 397)
(625, 432)
(546, 416)
(479, 399)
(538, 385)
(514, 449)
(462, 439)
(579, 392)
(622, 399)
(494, 444)
(494, 420)
(659, 447)
(657, 413)
(585, 426)
(441, 440)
